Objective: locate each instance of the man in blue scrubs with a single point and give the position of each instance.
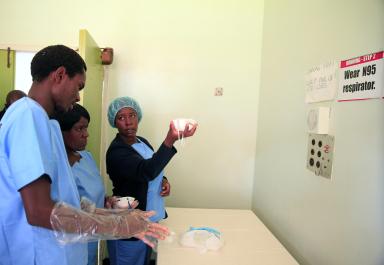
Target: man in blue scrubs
(32, 172)
(38, 192)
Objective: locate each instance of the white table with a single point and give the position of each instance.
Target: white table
(247, 240)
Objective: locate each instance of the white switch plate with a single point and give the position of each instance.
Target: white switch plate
(320, 154)
(318, 120)
(219, 91)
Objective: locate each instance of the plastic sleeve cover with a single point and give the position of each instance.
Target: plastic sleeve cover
(87, 205)
(74, 225)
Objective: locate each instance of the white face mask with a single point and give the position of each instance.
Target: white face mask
(180, 125)
(202, 238)
(124, 202)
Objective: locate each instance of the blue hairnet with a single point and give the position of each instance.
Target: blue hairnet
(120, 103)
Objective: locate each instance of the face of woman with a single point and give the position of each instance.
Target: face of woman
(76, 138)
(127, 123)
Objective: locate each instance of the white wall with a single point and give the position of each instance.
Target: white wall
(321, 221)
(170, 55)
(23, 79)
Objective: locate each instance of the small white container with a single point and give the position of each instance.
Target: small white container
(124, 202)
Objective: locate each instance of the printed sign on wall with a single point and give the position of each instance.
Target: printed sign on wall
(321, 82)
(361, 77)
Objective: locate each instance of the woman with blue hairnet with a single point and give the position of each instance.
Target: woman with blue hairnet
(137, 171)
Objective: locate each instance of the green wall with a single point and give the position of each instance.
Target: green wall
(7, 74)
(91, 96)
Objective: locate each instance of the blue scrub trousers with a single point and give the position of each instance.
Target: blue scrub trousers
(92, 253)
(123, 252)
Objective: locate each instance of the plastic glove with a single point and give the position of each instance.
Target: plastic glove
(74, 225)
(87, 205)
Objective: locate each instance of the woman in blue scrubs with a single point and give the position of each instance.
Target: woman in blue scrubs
(74, 125)
(137, 170)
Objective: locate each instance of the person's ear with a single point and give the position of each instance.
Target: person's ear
(59, 74)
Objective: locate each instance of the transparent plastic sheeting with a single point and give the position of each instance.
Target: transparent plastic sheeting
(92, 224)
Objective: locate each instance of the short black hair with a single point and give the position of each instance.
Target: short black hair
(14, 95)
(71, 117)
(52, 57)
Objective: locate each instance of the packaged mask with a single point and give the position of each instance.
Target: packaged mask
(202, 238)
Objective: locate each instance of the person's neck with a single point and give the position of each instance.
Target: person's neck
(128, 140)
(73, 156)
(40, 92)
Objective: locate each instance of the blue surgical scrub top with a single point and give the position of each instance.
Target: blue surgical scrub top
(90, 185)
(31, 145)
(88, 180)
(155, 202)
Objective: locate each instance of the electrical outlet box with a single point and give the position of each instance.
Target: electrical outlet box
(219, 91)
(318, 120)
(320, 154)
